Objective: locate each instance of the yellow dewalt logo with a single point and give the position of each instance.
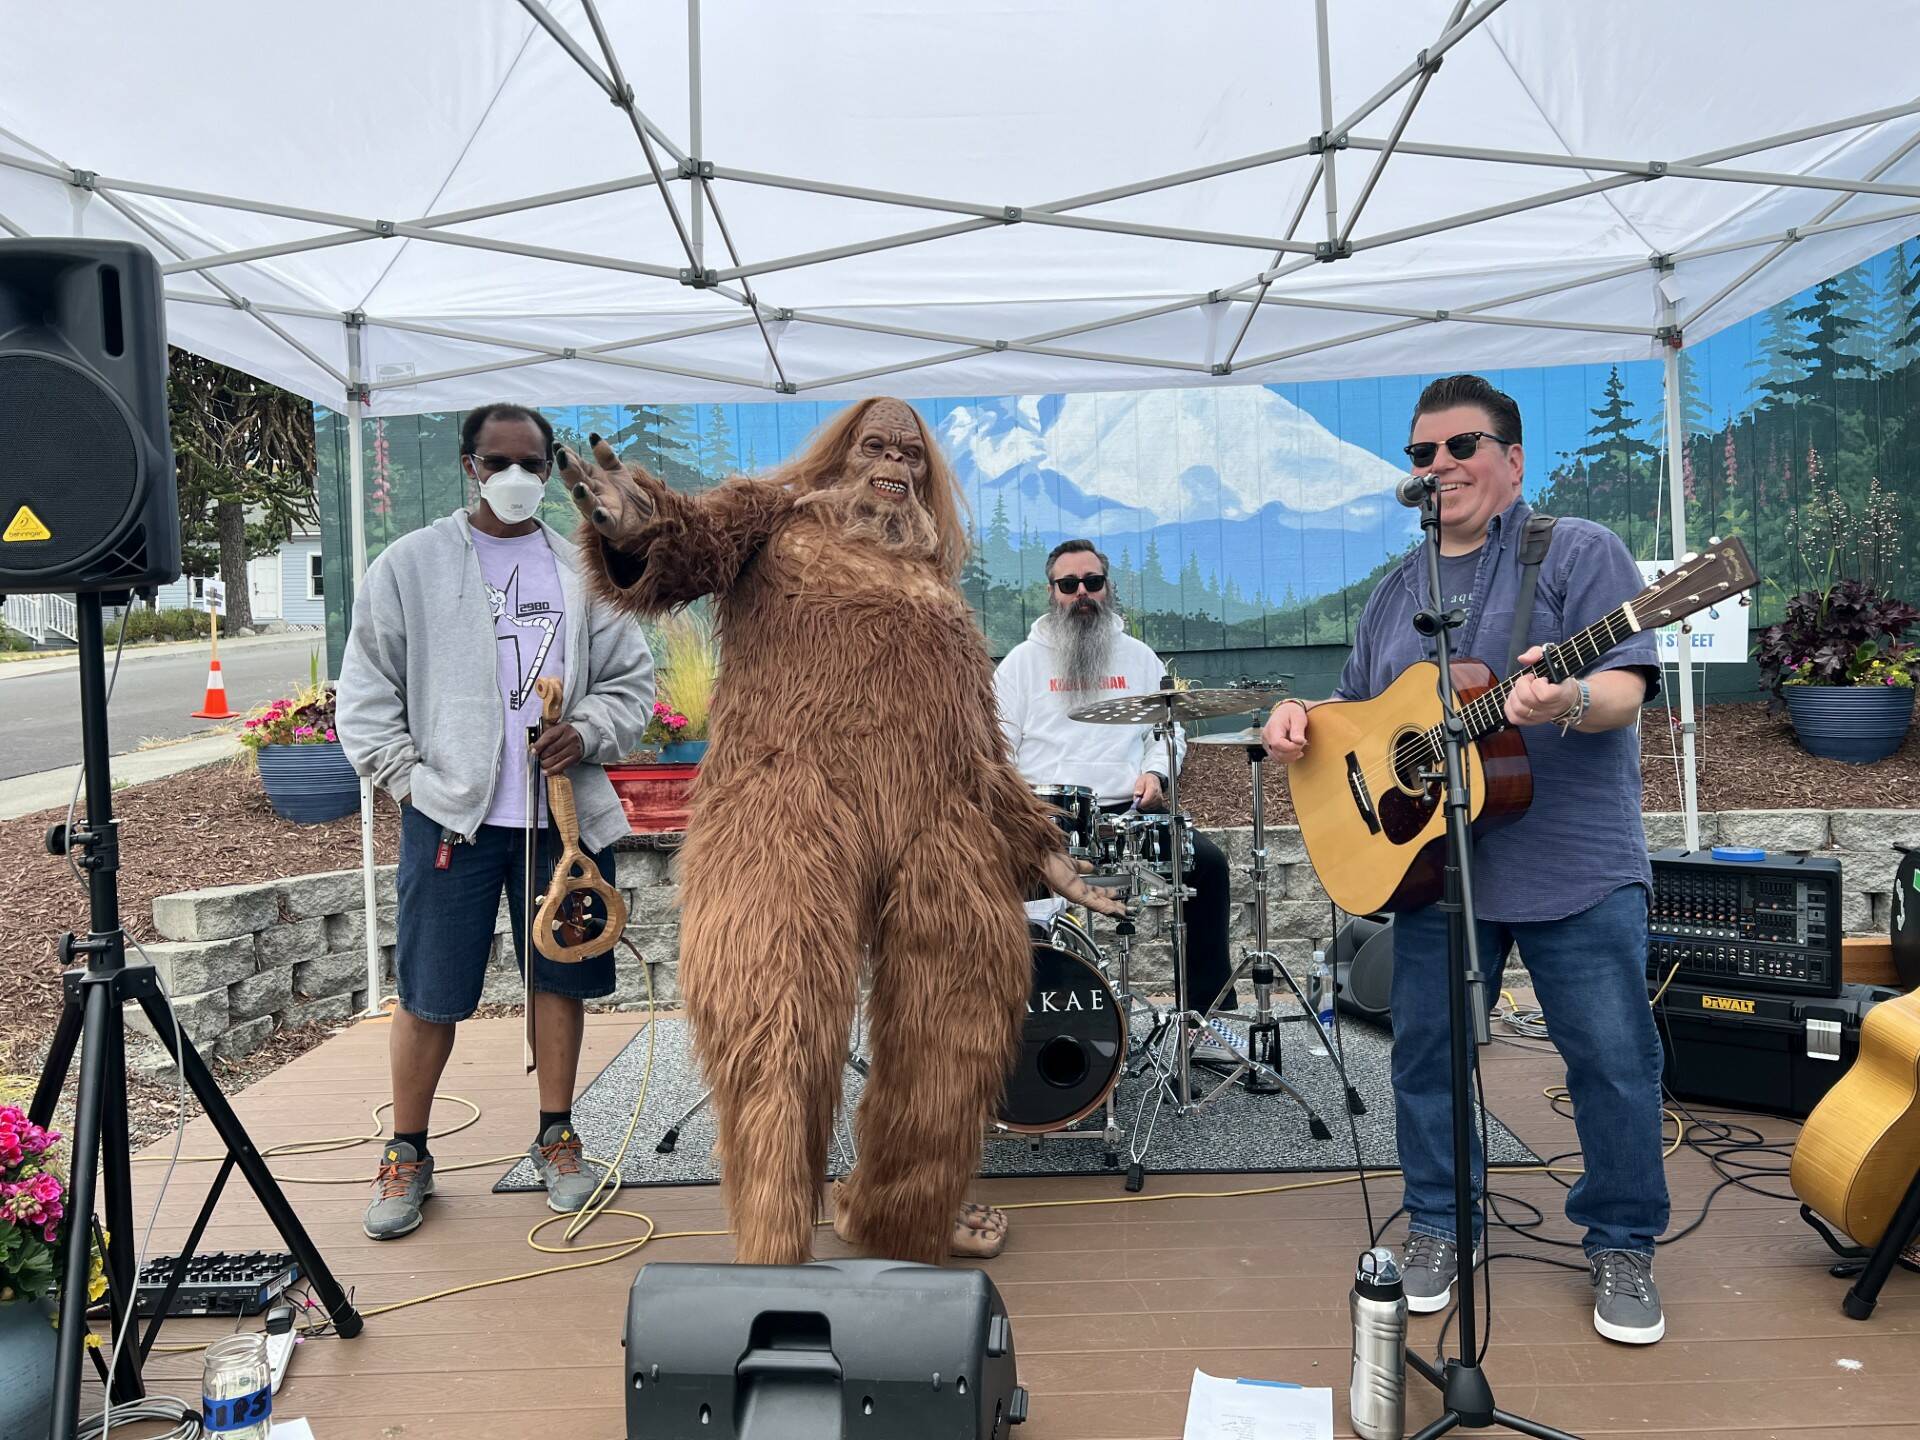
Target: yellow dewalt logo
(1726, 1002)
(26, 526)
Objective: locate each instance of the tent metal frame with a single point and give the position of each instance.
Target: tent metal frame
(1344, 242)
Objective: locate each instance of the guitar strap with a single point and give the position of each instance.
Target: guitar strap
(1533, 552)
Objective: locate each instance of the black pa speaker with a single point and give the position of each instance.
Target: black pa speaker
(817, 1352)
(87, 497)
(1363, 968)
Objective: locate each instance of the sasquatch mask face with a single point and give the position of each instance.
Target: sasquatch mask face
(888, 456)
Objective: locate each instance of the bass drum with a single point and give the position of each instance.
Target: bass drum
(1072, 1047)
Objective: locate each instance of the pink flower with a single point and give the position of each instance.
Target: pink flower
(329, 734)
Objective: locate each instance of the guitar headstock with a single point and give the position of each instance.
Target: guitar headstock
(1699, 580)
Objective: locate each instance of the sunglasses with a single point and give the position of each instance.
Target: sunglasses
(1460, 447)
(1068, 584)
(494, 464)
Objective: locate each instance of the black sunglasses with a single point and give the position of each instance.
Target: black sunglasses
(494, 464)
(1460, 447)
(1068, 584)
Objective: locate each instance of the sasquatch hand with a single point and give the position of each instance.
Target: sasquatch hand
(607, 493)
(1062, 875)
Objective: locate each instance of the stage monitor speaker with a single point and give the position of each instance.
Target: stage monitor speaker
(87, 494)
(1363, 968)
(817, 1352)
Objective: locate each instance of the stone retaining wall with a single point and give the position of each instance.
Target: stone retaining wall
(243, 960)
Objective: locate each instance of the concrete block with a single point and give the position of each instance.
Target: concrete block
(327, 1010)
(349, 931)
(194, 967)
(633, 868)
(1856, 912)
(261, 994)
(243, 1039)
(203, 1017)
(219, 913)
(333, 892)
(1870, 871)
(290, 941)
(654, 905)
(330, 975)
(1775, 830)
(1869, 831)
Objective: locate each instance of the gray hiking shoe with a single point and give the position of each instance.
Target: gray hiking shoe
(1428, 1268)
(558, 1157)
(1626, 1302)
(399, 1190)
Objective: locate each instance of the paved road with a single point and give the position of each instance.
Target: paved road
(155, 699)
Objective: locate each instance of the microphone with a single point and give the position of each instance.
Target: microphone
(1413, 491)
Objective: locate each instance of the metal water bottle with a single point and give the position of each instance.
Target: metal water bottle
(1378, 1397)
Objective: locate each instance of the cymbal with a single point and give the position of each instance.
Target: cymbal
(1241, 738)
(1157, 705)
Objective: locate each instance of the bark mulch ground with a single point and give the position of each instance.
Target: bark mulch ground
(213, 826)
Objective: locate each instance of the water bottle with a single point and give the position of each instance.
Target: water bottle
(1378, 1395)
(1320, 997)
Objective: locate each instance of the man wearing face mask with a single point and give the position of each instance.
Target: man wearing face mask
(441, 723)
(1078, 653)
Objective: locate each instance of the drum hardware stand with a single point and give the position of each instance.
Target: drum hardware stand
(93, 1019)
(671, 1139)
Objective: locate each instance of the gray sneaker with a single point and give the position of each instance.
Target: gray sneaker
(558, 1157)
(403, 1185)
(1428, 1268)
(1626, 1302)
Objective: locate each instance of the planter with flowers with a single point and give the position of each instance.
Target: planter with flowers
(302, 765)
(33, 1198)
(1840, 662)
(655, 784)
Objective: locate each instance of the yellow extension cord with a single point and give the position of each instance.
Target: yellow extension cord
(622, 1248)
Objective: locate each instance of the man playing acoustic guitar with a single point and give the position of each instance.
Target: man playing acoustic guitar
(1567, 882)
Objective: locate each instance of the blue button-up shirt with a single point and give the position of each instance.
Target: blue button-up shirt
(1582, 837)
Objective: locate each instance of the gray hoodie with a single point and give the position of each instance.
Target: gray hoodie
(419, 705)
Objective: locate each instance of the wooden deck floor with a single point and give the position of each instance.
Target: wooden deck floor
(1114, 1306)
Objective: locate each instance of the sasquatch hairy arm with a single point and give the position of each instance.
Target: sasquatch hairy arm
(649, 548)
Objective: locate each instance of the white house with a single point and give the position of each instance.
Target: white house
(288, 585)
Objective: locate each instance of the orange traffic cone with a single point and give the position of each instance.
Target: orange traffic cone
(215, 707)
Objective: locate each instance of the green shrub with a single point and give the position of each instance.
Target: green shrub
(145, 624)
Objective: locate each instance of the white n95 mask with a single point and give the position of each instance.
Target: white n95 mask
(513, 494)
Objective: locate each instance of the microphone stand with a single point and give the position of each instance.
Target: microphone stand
(1465, 1393)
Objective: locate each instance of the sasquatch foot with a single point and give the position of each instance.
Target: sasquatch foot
(979, 1231)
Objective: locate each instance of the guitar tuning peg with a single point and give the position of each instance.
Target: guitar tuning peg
(1689, 558)
(1713, 540)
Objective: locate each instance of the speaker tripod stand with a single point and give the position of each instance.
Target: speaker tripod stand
(92, 1018)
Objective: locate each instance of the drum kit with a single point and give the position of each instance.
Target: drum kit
(1087, 1025)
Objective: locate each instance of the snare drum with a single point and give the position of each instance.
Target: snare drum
(1072, 1046)
(1077, 813)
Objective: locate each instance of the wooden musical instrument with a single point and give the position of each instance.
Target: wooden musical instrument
(1860, 1147)
(565, 928)
(1368, 793)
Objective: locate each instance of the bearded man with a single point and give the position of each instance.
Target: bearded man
(1076, 654)
(856, 800)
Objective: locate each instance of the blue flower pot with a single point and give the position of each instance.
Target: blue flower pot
(309, 784)
(27, 1343)
(683, 752)
(1855, 723)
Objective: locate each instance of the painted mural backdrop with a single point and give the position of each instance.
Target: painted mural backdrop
(1250, 517)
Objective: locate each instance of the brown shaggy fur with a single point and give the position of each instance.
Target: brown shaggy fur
(856, 802)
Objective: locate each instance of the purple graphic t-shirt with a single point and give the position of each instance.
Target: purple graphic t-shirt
(530, 632)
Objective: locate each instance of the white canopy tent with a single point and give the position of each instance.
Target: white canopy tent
(405, 207)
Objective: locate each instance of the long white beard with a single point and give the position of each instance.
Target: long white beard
(1082, 651)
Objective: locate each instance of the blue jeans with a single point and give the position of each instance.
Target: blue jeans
(444, 920)
(1589, 972)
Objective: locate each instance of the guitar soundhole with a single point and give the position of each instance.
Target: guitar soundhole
(1410, 757)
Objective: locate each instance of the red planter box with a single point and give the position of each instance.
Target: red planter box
(655, 797)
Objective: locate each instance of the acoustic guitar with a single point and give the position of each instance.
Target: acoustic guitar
(1367, 792)
(1857, 1153)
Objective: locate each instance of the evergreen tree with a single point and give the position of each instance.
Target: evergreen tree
(1619, 462)
(656, 437)
(716, 446)
(1695, 416)
(1825, 354)
(1895, 333)
(1773, 358)
(1909, 340)
(1854, 309)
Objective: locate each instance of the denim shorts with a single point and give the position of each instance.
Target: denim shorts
(444, 926)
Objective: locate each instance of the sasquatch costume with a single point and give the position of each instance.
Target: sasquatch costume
(856, 800)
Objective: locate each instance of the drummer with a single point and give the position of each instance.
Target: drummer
(1076, 654)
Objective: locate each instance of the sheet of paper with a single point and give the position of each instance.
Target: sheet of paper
(291, 1430)
(1226, 1409)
